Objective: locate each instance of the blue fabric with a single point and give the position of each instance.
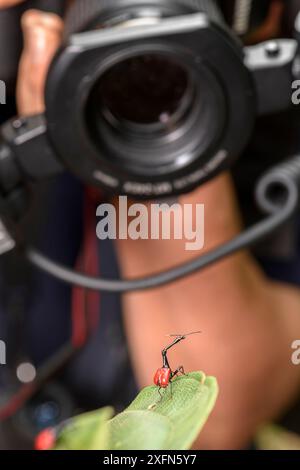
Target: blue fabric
(48, 323)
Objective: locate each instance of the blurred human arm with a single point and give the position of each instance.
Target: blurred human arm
(248, 323)
(9, 3)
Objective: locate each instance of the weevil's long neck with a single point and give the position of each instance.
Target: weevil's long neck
(165, 350)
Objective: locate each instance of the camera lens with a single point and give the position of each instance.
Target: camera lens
(145, 89)
(153, 112)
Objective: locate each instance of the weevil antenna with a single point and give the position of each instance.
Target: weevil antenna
(184, 335)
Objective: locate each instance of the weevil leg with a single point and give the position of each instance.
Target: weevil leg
(179, 370)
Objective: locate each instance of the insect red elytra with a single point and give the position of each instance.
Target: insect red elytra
(164, 375)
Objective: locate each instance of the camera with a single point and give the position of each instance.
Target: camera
(164, 100)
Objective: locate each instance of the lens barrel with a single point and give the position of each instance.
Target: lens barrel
(150, 98)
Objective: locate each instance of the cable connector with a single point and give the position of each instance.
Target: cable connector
(279, 186)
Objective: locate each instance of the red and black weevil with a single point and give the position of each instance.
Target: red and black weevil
(164, 375)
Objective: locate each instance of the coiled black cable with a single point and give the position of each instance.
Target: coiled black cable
(277, 193)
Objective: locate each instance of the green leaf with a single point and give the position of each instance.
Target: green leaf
(88, 431)
(151, 422)
(172, 422)
(273, 437)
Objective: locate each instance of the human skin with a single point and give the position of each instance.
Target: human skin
(248, 321)
(9, 3)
